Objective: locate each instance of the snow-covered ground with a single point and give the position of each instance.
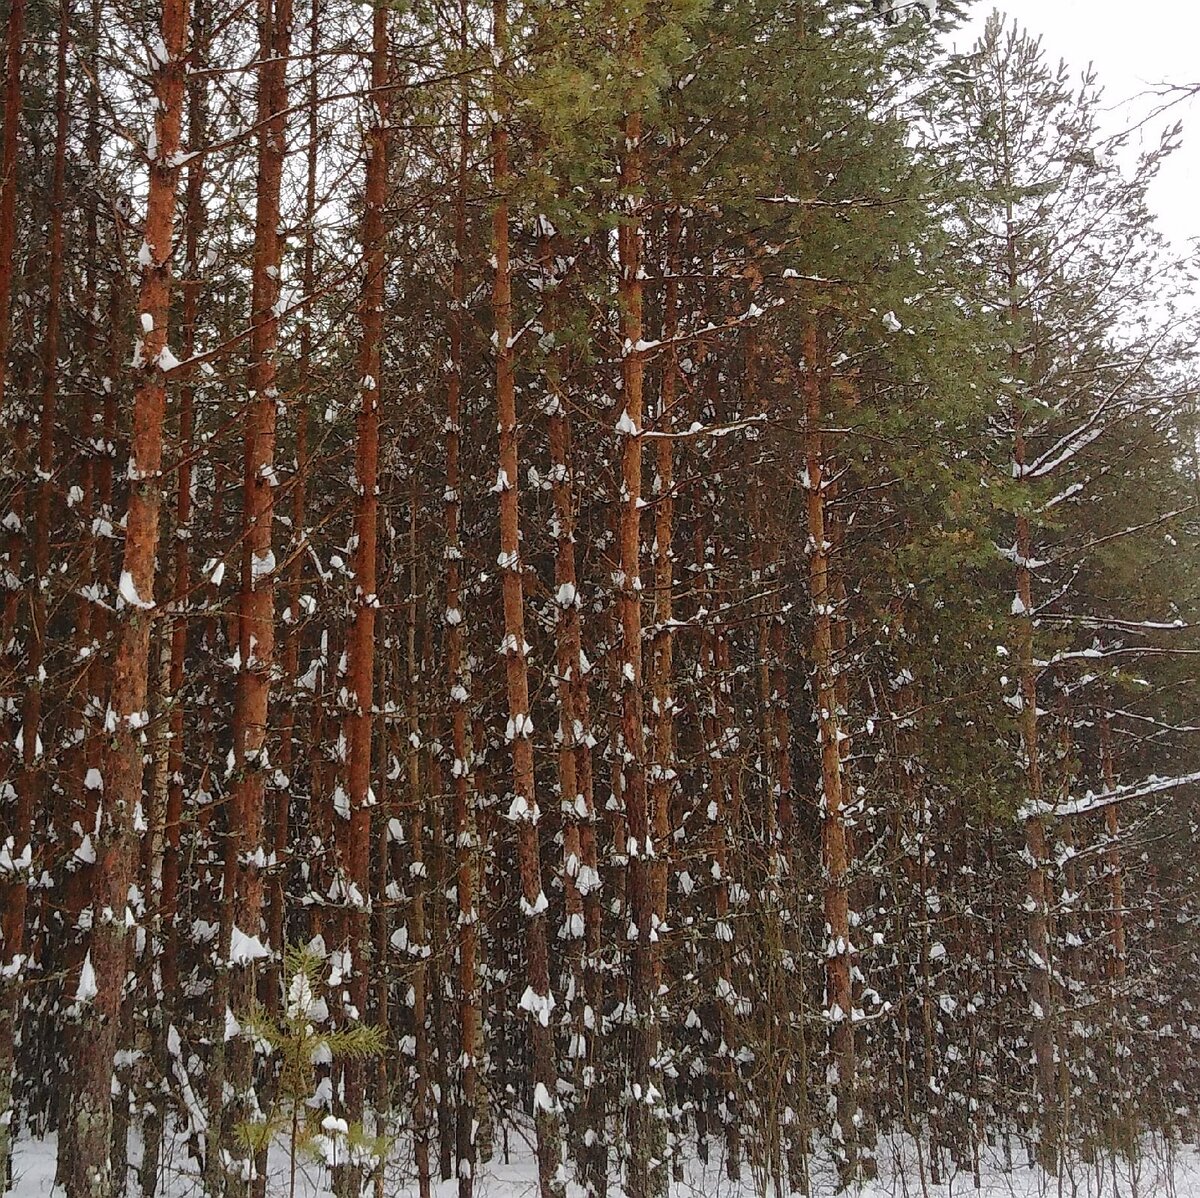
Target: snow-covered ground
(1163, 1171)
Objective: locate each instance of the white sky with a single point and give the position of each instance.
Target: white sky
(1133, 44)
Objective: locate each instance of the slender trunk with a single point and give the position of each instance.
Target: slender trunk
(439, 1012)
(1068, 977)
(160, 842)
(1038, 927)
(1038, 930)
(360, 675)
(418, 947)
(30, 759)
(537, 1000)
(835, 858)
(97, 679)
(12, 947)
(663, 777)
(289, 764)
(79, 810)
(581, 878)
(195, 223)
(14, 53)
(87, 1174)
(245, 852)
(1123, 1122)
(722, 813)
(465, 838)
(646, 1108)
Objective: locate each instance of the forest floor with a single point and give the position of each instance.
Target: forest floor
(1163, 1171)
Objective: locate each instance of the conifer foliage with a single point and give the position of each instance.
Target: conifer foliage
(621, 577)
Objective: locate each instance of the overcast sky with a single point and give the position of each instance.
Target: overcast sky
(1132, 46)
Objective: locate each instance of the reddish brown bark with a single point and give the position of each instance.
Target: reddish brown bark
(581, 925)
(662, 773)
(87, 1173)
(465, 836)
(18, 830)
(256, 623)
(89, 615)
(646, 1107)
(14, 52)
(537, 999)
(245, 851)
(360, 676)
(418, 947)
(194, 226)
(835, 856)
(1038, 927)
(1124, 1127)
(290, 656)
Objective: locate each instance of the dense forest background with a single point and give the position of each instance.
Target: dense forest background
(617, 574)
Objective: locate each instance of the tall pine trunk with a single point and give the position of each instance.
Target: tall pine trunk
(835, 855)
(31, 759)
(1038, 883)
(466, 841)
(537, 1000)
(87, 1173)
(646, 1108)
(361, 647)
(242, 934)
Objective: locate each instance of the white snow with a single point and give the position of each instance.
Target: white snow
(128, 592)
(1157, 1174)
(87, 988)
(244, 949)
(262, 564)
